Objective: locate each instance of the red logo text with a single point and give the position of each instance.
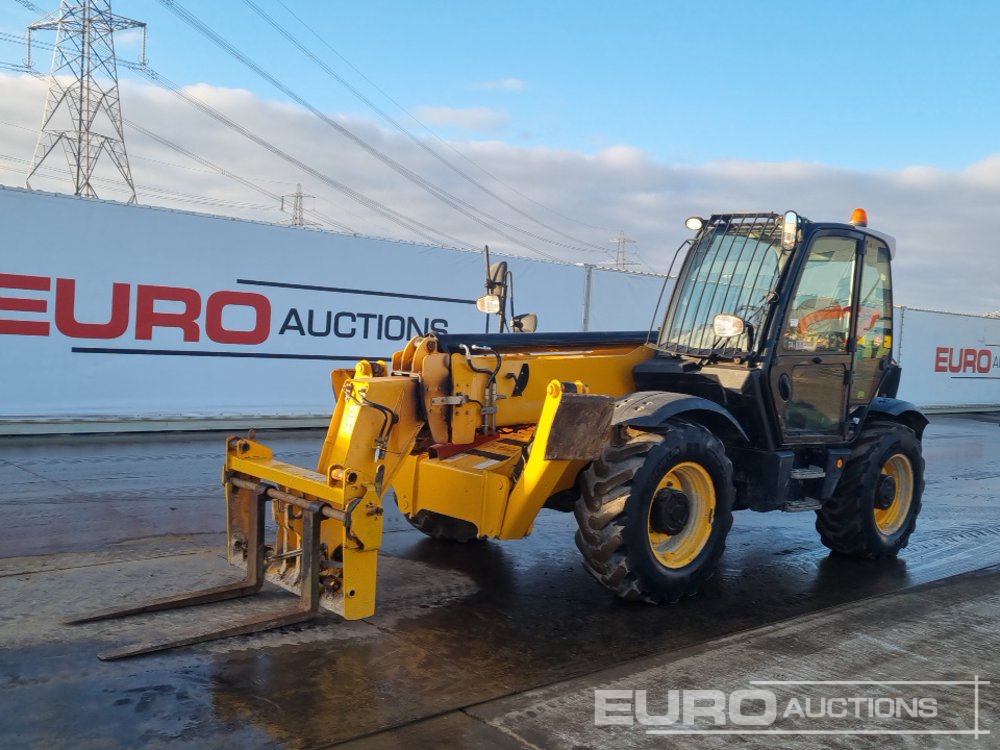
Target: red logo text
(131, 305)
(947, 359)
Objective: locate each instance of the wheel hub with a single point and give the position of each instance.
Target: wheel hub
(671, 511)
(886, 492)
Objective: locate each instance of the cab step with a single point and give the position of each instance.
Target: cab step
(796, 506)
(809, 472)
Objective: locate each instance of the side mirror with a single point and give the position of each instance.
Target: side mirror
(728, 326)
(489, 304)
(526, 323)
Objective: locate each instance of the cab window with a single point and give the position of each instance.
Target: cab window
(820, 316)
(874, 321)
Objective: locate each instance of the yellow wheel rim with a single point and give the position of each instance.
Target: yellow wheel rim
(891, 519)
(678, 550)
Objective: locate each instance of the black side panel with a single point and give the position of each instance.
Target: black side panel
(763, 478)
(889, 386)
(452, 342)
(899, 411)
(652, 408)
(836, 460)
(666, 373)
(742, 391)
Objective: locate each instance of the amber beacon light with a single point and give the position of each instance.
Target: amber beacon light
(859, 218)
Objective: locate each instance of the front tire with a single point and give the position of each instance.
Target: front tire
(655, 511)
(874, 510)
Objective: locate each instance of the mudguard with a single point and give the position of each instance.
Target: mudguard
(650, 409)
(883, 407)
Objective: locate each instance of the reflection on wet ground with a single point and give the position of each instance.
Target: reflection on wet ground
(93, 520)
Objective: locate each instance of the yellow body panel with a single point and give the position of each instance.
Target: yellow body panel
(606, 370)
(359, 459)
(420, 426)
(454, 487)
(541, 476)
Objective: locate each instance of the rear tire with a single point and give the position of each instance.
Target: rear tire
(443, 528)
(874, 511)
(655, 511)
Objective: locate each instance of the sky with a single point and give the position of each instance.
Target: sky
(581, 119)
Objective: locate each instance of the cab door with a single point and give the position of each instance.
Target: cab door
(811, 373)
(873, 329)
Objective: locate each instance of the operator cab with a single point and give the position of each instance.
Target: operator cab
(785, 322)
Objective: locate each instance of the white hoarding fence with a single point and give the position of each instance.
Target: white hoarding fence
(949, 361)
(113, 314)
(621, 301)
(191, 317)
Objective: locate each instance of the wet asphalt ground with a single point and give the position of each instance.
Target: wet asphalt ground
(465, 636)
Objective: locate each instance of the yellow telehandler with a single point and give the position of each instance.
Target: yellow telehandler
(770, 385)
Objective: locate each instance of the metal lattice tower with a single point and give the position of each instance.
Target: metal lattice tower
(83, 111)
(620, 262)
(298, 208)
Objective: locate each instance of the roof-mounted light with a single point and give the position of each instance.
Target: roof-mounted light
(694, 223)
(859, 218)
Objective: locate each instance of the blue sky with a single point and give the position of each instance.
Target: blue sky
(863, 85)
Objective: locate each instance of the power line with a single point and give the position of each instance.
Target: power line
(397, 218)
(220, 170)
(292, 39)
(30, 6)
(420, 229)
(159, 80)
(212, 167)
(165, 193)
(430, 132)
(412, 225)
(646, 265)
(448, 199)
(160, 193)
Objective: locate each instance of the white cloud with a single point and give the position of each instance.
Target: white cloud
(503, 84)
(947, 258)
(477, 119)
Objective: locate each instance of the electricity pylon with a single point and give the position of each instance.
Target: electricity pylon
(620, 262)
(83, 111)
(298, 208)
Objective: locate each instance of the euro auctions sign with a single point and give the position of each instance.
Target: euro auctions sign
(949, 360)
(967, 361)
(59, 311)
(136, 311)
(122, 343)
(115, 312)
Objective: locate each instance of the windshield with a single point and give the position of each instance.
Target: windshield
(733, 268)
